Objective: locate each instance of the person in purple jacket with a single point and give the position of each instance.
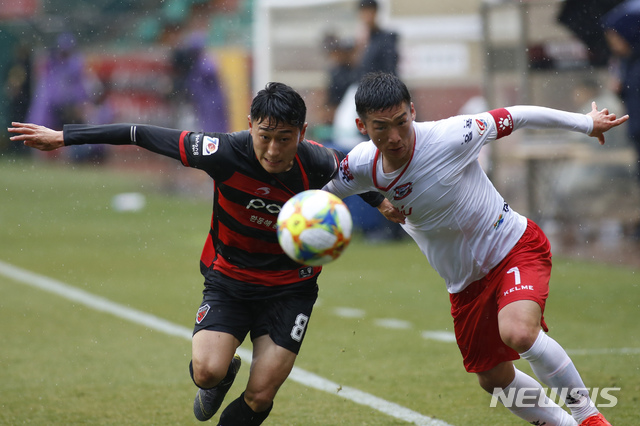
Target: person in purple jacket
(198, 88)
(61, 92)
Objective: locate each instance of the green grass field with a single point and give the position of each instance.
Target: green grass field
(62, 362)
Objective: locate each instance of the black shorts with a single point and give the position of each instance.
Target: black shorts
(239, 308)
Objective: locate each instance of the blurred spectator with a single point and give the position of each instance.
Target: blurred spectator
(62, 88)
(101, 109)
(377, 48)
(63, 94)
(201, 101)
(582, 17)
(341, 72)
(18, 90)
(622, 31)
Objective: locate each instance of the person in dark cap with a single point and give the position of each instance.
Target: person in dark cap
(379, 51)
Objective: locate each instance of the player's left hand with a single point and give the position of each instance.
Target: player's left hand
(603, 121)
(36, 136)
(390, 212)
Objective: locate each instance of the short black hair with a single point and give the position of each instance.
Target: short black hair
(366, 4)
(279, 103)
(378, 91)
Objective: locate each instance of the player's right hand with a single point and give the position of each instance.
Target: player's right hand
(36, 136)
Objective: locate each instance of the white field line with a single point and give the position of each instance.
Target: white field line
(450, 337)
(156, 323)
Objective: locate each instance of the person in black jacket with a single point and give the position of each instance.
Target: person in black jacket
(251, 286)
(622, 31)
(379, 49)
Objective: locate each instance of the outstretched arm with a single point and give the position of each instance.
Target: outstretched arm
(595, 123)
(168, 142)
(36, 136)
(603, 121)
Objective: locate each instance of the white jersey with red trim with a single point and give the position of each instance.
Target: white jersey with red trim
(454, 213)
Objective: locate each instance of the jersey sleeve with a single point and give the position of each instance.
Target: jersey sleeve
(332, 159)
(352, 177)
(535, 117)
(501, 122)
(160, 140)
(205, 150)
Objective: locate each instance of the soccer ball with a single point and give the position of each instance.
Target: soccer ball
(314, 227)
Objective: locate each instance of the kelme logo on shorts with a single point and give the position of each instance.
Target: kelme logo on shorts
(202, 312)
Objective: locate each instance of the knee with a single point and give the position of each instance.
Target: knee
(498, 377)
(259, 400)
(487, 383)
(520, 339)
(207, 375)
(519, 324)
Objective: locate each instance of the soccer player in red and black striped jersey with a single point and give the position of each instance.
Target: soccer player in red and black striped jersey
(251, 286)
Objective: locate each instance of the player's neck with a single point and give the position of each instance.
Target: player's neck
(391, 165)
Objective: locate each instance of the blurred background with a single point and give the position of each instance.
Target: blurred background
(195, 64)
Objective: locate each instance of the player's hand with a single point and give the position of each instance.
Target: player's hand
(390, 212)
(603, 121)
(35, 136)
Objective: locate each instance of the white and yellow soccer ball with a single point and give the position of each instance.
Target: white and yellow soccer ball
(314, 227)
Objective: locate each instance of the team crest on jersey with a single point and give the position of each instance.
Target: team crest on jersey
(345, 173)
(481, 125)
(402, 191)
(202, 312)
(209, 145)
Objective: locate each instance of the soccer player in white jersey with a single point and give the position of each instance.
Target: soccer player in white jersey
(496, 263)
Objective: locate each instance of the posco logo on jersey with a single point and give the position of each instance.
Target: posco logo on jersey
(258, 204)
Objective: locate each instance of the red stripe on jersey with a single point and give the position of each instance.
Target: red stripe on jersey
(504, 122)
(255, 214)
(305, 178)
(314, 142)
(252, 186)
(248, 244)
(260, 276)
(208, 251)
(183, 154)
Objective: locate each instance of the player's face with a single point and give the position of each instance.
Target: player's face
(391, 130)
(275, 146)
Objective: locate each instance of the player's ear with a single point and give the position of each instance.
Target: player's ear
(250, 124)
(302, 133)
(413, 112)
(362, 128)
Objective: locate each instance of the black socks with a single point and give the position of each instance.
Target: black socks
(238, 413)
